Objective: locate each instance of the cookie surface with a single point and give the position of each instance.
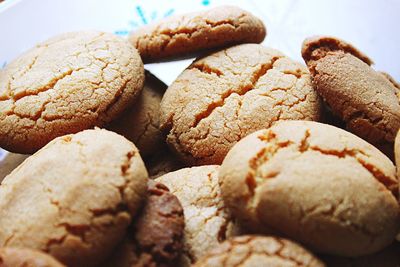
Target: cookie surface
(22, 257)
(316, 184)
(183, 34)
(366, 100)
(206, 221)
(156, 236)
(227, 95)
(249, 251)
(140, 121)
(69, 83)
(74, 204)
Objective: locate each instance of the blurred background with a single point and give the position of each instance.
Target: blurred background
(370, 25)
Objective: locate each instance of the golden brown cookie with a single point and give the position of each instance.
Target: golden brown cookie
(316, 184)
(69, 83)
(188, 33)
(162, 162)
(366, 100)
(206, 221)
(227, 95)
(75, 198)
(250, 250)
(140, 121)
(155, 238)
(23, 257)
(9, 163)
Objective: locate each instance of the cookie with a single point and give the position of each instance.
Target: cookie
(66, 84)
(249, 251)
(9, 163)
(140, 121)
(22, 257)
(206, 221)
(156, 236)
(162, 162)
(223, 97)
(74, 198)
(367, 101)
(193, 32)
(314, 183)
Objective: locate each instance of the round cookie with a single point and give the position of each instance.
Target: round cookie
(74, 198)
(156, 237)
(314, 183)
(206, 221)
(249, 251)
(9, 163)
(22, 257)
(229, 94)
(193, 32)
(69, 83)
(368, 101)
(140, 121)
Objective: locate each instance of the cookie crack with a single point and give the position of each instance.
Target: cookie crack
(385, 180)
(204, 68)
(242, 90)
(48, 86)
(255, 176)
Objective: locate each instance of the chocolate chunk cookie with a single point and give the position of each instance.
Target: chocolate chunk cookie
(229, 94)
(74, 198)
(368, 101)
(314, 183)
(69, 83)
(183, 34)
(207, 222)
(250, 251)
(155, 239)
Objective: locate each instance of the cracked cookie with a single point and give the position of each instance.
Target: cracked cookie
(366, 100)
(9, 163)
(140, 121)
(156, 236)
(22, 257)
(69, 83)
(74, 198)
(223, 97)
(314, 183)
(249, 251)
(193, 32)
(207, 222)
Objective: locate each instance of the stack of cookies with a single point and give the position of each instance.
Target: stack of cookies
(248, 158)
